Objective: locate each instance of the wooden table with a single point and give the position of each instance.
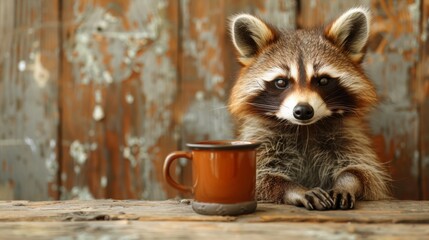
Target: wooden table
(112, 219)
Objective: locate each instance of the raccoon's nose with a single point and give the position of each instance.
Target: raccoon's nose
(303, 111)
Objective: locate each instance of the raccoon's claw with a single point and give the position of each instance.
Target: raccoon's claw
(342, 199)
(317, 199)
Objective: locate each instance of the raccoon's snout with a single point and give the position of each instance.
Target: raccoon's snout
(303, 108)
(303, 111)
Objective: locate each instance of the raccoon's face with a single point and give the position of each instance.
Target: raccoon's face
(301, 76)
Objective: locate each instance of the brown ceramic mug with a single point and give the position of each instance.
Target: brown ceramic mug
(223, 176)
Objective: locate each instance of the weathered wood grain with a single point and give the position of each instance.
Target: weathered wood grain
(170, 219)
(119, 84)
(315, 13)
(391, 63)
(214, 230)
(29, 115)
(78, 210)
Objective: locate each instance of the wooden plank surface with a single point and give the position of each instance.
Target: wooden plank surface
(29, 114)
(215, 230)
(119, 83)
(392, 59)
(78, 210)
(172, 219)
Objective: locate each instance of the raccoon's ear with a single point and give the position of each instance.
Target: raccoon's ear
(350, 32)
(249, 35)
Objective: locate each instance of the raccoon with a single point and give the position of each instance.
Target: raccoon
(304, 96)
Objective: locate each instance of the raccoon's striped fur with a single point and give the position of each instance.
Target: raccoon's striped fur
(304, 96)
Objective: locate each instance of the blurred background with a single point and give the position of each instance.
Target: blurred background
(95, 93)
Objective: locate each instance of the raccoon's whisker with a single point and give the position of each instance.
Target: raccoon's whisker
(319, 105)
(337, 107)
(282, 105)
(344, 108)
(333, 96)
(262, 105)
(234, 104)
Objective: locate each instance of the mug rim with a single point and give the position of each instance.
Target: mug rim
(223, 145)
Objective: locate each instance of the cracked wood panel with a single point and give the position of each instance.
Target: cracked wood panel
(391, 61)
(119, 84)
(201, 230)
(29, 99)
(411, 212)
(208, 65)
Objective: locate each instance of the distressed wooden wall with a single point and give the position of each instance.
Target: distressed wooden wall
(95, 93)
(29, 116)
(119, 91)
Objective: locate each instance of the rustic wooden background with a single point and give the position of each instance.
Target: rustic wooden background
(95, 93)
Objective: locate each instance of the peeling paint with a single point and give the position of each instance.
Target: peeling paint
(93, 146)
(137, 151)
(40, 74)
(158, 77)
(129, 98)
(96, 26)
(312, 3)
(28, 102)
(22, 66)
(207, 116)
(52, 161)
(63, 177)
(97, 96)
(137, 41)
(208, 68)
(98, 113)
(396, 115)
(78, 152)
(30, 143)
(103, 181)
(81, 193)
(392, 63)
(76, 169)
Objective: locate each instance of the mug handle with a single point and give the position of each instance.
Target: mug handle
(168, 161)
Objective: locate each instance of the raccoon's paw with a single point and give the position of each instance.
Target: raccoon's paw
(317, 199)
(343, 199)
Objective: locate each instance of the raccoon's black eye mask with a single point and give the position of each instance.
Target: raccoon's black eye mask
(336, 96)
(278, 85)
(281, 83)
(324, 82)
